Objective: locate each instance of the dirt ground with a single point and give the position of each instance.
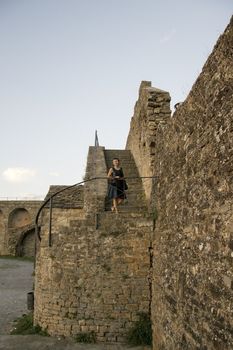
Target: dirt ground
(35, 342)
(16, 280)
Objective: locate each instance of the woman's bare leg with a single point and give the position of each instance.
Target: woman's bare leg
(115, 205)
(119, 200)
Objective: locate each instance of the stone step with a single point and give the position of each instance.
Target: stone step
(129, 160)
(122, 156)
(135, 194)
(138, 202)
(122, 160)
(118, 151)
(130, 200)
(125, 160)
(130, 210)
(124, 214)
(108, 220)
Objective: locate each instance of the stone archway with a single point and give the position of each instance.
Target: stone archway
(26, 243)
(19, 217)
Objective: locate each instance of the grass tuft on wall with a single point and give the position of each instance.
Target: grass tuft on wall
(85, 337)
(24, 325)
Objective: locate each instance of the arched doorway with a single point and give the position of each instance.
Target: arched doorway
(26, 243)
(19, 217)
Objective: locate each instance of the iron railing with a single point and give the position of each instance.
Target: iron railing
(50, 201)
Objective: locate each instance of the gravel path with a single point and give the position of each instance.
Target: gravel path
(16, 281)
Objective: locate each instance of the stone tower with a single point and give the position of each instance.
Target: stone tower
(93, 271)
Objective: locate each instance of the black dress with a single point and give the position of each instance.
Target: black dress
(116, 186)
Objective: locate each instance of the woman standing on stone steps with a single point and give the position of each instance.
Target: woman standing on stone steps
(116, 190)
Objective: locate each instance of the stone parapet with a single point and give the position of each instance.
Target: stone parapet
(95, 191)
(69, 198)
(151, 110)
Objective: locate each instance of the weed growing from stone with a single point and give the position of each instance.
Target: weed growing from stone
(85, 337)
(24, 325)
(141, 333)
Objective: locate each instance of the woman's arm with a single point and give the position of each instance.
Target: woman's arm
(110, 173)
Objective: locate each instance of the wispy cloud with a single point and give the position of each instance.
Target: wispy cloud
(54, 173)
(168, 36)
(18, 175)
(29, 195)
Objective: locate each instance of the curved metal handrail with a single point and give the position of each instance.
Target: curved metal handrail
(71, 186)
(51, 197)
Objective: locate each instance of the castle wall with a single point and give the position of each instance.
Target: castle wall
(93, 280)
(96, 275)
(15, 218)
(151, 109)
(193, 244)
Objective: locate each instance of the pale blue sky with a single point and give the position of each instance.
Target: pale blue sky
(68, 67)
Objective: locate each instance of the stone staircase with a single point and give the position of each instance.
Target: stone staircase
(136, 201)
(100, 262)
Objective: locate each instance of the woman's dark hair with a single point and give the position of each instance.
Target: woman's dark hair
(116, 159)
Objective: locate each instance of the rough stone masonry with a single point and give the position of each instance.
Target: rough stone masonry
(193, 242)
(17, 227)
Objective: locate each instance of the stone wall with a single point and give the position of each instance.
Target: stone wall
(70, 198)
(151, 109)
(16, 219)
(193, 245)
(95, 191)
(28, 246)
(94, 280)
